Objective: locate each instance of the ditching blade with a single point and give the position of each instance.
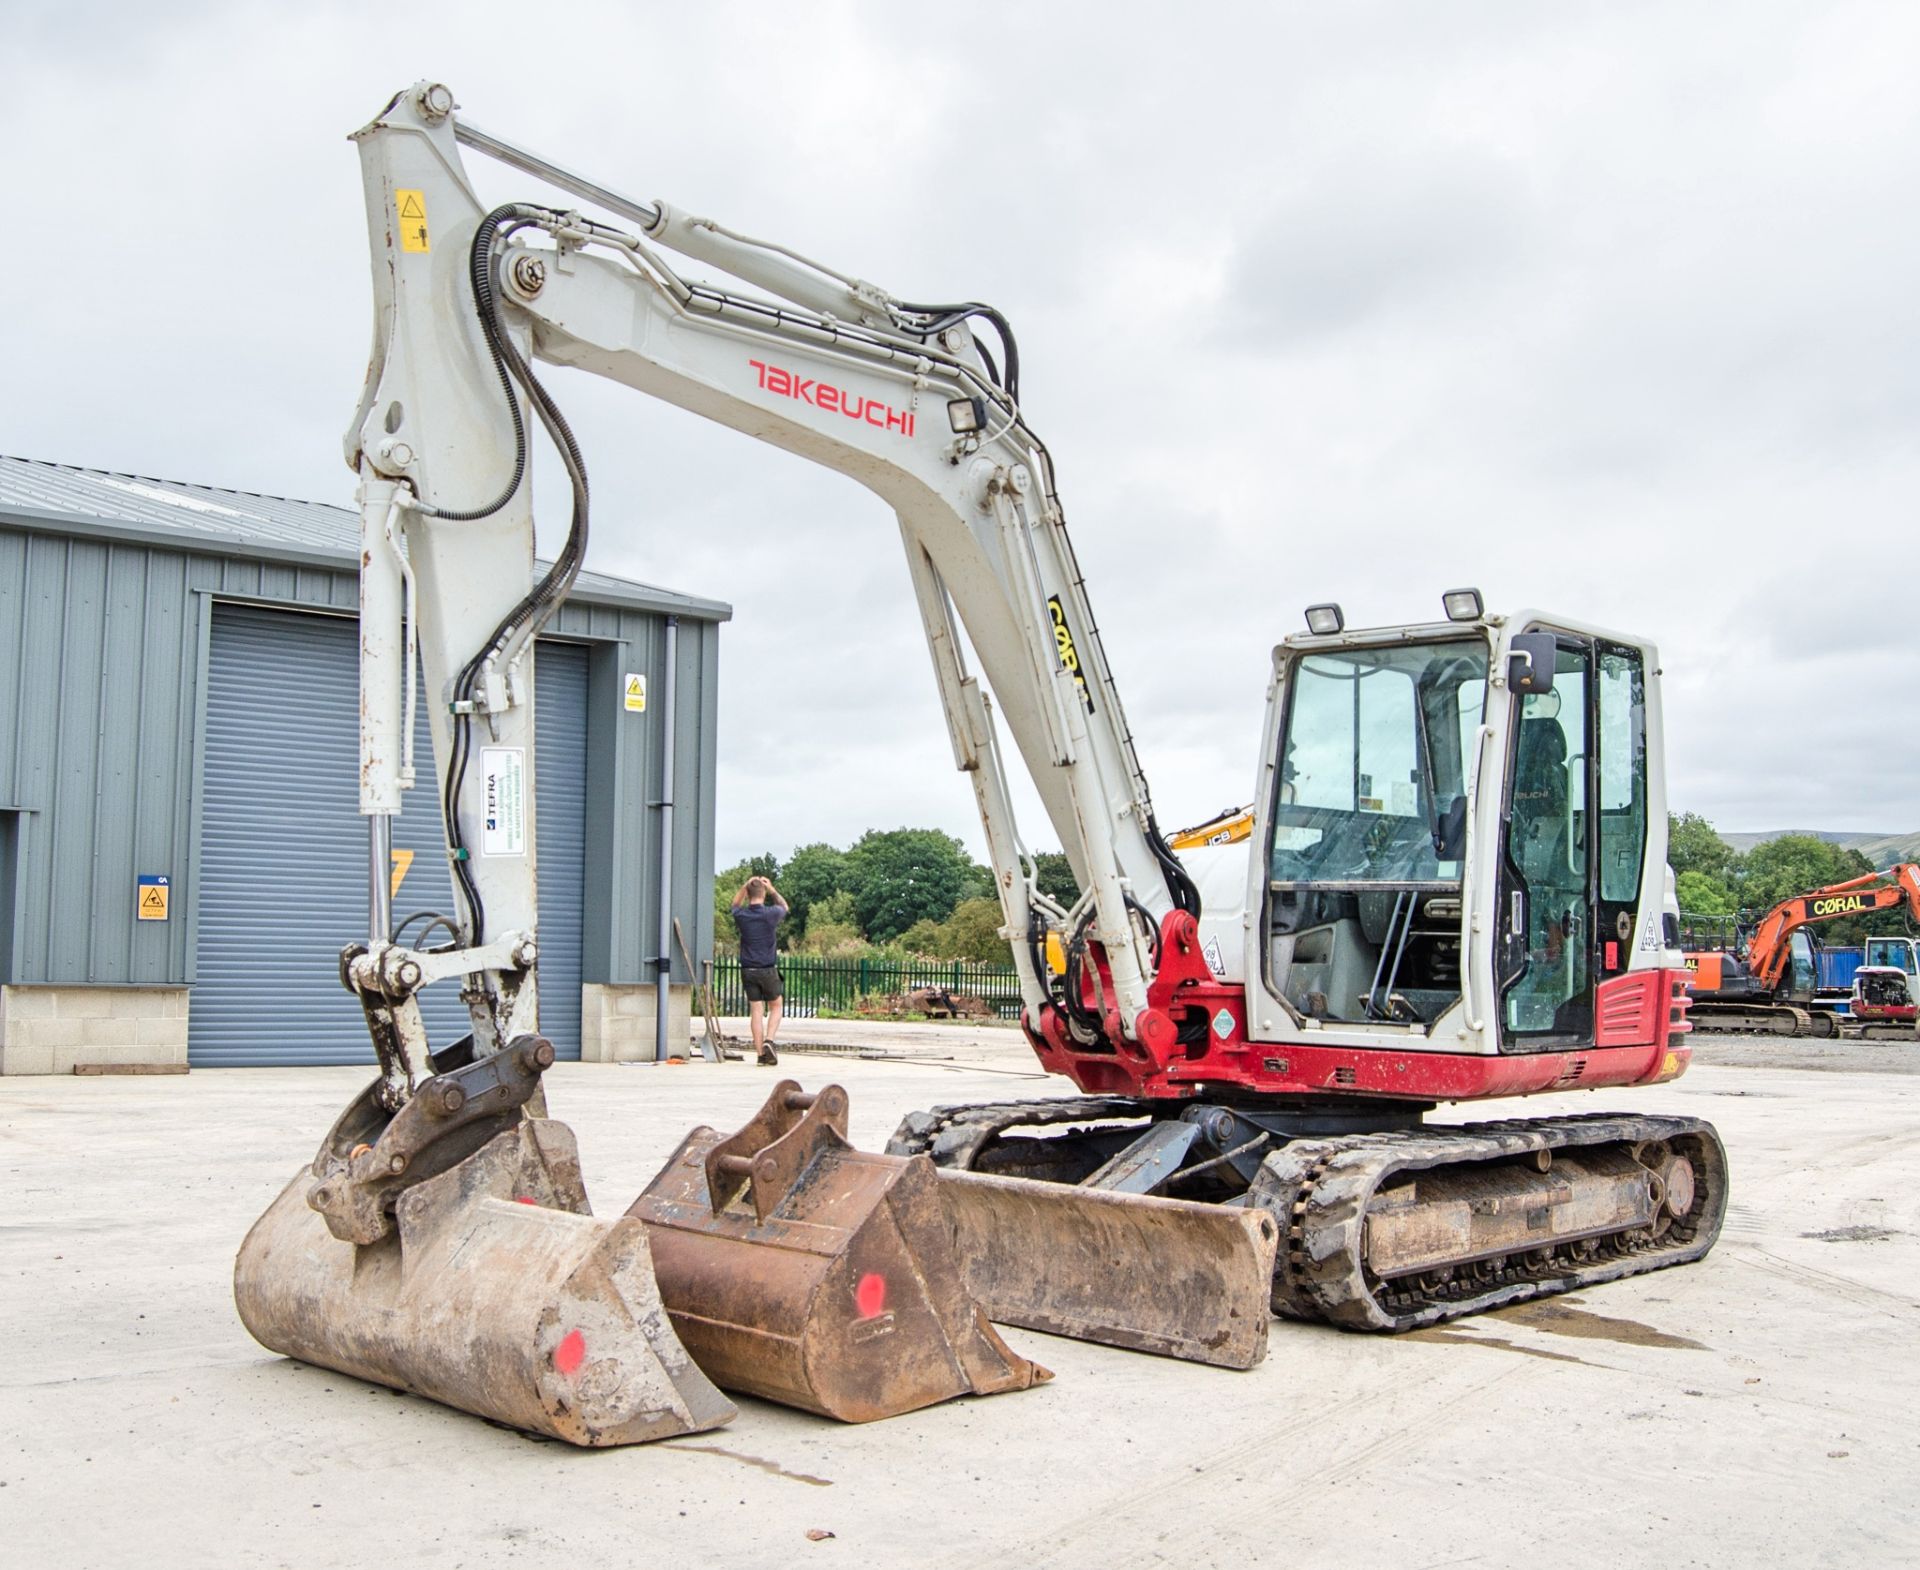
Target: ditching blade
(797, 1268)
(1171, 1276)
(496, 1293)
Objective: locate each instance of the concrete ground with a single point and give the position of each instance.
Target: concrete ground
(1757, 1408)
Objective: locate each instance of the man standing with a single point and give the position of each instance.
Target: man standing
(758, 911)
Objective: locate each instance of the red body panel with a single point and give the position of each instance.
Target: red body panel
(1640, 1020)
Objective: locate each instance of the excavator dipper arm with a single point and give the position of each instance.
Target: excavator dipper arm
(900, 397)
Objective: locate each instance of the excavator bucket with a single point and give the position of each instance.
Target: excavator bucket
(493, 1290)
(797, 1268)
(1171, 1276)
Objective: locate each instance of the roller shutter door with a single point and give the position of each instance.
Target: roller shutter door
(283, 846)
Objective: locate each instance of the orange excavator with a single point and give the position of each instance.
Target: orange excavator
(1765, 981)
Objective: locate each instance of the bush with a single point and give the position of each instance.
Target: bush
(831, 929)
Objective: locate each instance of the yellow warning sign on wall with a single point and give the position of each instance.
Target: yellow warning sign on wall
(634, 697)
(402, 860)
(410, 207)
(151, 902)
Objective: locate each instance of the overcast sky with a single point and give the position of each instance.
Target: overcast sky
(1603, 307)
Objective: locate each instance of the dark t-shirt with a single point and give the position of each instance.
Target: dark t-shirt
(757, 924)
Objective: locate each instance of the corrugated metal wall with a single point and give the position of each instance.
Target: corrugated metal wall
(103, 649)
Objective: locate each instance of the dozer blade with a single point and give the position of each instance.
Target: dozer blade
(797, 1268)
(494, 1292)
(1170, 1276)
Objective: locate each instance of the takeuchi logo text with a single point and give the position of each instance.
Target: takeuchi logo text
(824, 395)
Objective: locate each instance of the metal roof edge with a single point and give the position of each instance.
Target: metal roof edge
(605, 590)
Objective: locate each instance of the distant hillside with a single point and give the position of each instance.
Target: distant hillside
(1883, 850)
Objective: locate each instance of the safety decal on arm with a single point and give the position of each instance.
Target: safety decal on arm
(410, 207)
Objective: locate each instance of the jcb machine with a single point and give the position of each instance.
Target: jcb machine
(1765, 980)
(1452, 890)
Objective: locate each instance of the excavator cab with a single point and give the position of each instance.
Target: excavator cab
(1432, 782)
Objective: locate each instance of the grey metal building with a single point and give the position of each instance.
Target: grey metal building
(181, 857)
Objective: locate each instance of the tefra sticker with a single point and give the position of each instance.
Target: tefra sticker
(503, 773)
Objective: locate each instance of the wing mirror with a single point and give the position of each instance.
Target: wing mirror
(1530, 660)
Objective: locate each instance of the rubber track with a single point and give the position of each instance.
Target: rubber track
(953, 1136)
(1752, 1019)
(1318, 1189)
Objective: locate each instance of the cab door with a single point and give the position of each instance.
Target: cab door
(1574, 843)
(1545, 966)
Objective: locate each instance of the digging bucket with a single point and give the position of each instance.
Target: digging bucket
(494, 1291)
(1170, 1276)
(797, 1268)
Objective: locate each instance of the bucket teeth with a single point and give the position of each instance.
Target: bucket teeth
(797, 1268)
(495, 1292)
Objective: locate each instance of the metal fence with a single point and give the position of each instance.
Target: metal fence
(812, 986)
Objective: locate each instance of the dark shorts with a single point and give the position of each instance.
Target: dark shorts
(763, 986)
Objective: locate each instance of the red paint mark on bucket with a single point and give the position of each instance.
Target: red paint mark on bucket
(521, 1199)
(570, 1353)
(870, 1297)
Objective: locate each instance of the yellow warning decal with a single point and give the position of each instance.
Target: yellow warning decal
(634, 697)
(152, 904)
(402, 860)
(411, 209)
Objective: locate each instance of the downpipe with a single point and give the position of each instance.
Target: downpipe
(661, 1034)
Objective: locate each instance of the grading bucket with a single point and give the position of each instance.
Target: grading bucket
(797, 1268)
(494, 1291)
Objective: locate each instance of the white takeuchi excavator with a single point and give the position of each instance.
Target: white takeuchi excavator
(1452, 889)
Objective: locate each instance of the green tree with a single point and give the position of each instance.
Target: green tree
(900, 876)
(1694, 846)
(924, 938)
(1793, 864)
(972, 932)
(1701, 895)
(813, 873)
(1054, 873)
(1798, 864)
(831, 928)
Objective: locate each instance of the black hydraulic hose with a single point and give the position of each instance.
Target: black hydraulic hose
(433, 919)
(1087, 1019)
(1153, 929)
(560, 578)
(945, 316)
(1181, 888)
(1180, 885)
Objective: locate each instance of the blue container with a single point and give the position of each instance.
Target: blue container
(1837, 966)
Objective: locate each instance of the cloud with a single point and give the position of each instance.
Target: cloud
(1603, 308)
